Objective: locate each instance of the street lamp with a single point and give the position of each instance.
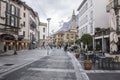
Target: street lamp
(48, 19)
(16, 39)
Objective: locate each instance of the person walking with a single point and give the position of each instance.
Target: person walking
(65, 48)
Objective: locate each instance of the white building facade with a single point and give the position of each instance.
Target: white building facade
(29, 26)
(92, 14)
(42, 33)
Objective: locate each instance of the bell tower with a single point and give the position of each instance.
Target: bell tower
(73, 20)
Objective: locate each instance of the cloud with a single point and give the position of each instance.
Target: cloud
(56, 9)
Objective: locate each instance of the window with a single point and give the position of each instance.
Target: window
(24, 8)
(12, 9)
(0, 8)
(72, 36)
(91, 15)
(43, 36)
(23, 33)
(24, 23)
(67, 36)
(43, 29)
(12, 21)
(91, 27)
(18, 12)
(18, 22)
(24, 14)
(13, 12)
(83, 9)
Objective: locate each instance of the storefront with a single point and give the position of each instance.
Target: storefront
(7, 42)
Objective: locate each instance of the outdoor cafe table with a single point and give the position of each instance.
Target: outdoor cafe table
(107, 61)
(88, 55)
(104, 62)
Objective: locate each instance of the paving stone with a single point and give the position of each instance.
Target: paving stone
(52, 67)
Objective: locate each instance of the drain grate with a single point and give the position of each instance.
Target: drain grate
(8, 64)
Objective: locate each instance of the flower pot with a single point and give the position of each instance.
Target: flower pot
(77, 55)
(87, 65)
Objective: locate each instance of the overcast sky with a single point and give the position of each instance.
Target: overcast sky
(57, 10)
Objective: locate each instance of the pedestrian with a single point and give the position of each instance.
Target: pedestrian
(5, 48)
(65, 48)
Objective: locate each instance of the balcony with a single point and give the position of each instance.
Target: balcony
(102, 32)
(115, 4)
(32, 24)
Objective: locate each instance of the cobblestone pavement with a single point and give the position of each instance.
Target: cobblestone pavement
(58, 65)
(8, 61)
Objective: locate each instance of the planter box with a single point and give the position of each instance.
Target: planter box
(87, 65)
(77, 55)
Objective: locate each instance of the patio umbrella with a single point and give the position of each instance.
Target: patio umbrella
(111, 36)
(86, 48)
(113, 47)
(113, 20)
(115, 38)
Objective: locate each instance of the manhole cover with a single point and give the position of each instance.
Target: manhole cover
(8, 64)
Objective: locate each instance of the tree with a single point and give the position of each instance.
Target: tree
(87, 39)
(78, 41)
(98, 29)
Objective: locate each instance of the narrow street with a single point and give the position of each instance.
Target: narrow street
(56, 66)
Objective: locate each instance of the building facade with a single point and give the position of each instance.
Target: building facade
(33, 32)
(18, 26)
(29, 26)
(24, 23)
(114, 12)
(59, 39)
(42, 34)
(68, 33)
(108, 39)
(92, 14)
(9, 24)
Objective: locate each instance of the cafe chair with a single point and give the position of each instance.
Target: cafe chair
(116, 62)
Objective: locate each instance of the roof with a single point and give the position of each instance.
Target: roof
(28, 7)
(67, 25)
(83, 2)
(43, 24)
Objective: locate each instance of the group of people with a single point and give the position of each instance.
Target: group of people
(51, 46)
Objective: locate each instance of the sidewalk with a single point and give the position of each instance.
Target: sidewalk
(96, 74)
(9, 62)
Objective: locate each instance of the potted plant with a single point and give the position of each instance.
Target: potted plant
(77, 53)
(88, 64)
(87, 40)
(76, 50)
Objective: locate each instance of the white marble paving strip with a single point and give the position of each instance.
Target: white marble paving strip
(102, 71)
(51, 60)
(52, 70)
(81, 75)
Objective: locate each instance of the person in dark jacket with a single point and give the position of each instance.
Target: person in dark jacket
(65, 48)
